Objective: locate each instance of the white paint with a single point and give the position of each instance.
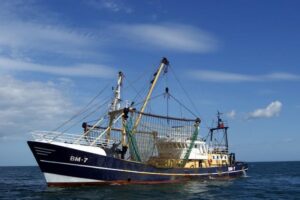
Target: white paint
(55, 178)
(89, 149)
(199, 152)
(116, 104)
(177, 149)
(44, 149)
(219, 157)
(231, 168)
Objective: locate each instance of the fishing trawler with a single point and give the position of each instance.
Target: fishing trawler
(129, 145)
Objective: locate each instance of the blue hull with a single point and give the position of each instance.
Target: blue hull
(59, 160)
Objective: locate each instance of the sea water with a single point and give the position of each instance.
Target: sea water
(264, 180)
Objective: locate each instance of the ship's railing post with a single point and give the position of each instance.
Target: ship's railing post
(107, 129)
(89, 130)
(68, 138)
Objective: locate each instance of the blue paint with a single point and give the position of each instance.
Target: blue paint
(65, 167)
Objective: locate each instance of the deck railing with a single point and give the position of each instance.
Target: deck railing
(53, 136)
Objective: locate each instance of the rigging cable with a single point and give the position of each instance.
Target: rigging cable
(86, 116)
(186, 93)
(184, 106)
(159, 95)
(167, 96)
(142, 90)
(138, 93)
(83, 110)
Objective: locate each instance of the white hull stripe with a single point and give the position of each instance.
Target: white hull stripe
(45, 149)
(55, 178)
(42, 154)
(139, 172)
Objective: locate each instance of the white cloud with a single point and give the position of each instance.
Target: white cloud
(220, 76)
(175, 37)
(26, 106)
(282, 76)
(84, 70)
(288, 140)
(27, 38)
(28, 29)
(216, 76)
(22, 34)
(231, 114)
(110, 5)
(272, 110)
(23, 42)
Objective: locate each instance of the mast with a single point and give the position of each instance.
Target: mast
(117, 98)
(163, 64)
(220, 126)
(115, 103)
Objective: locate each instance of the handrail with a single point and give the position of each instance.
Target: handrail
(97, 138)
(88, 131)
(51, 136)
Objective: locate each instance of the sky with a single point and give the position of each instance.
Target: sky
(237, 57)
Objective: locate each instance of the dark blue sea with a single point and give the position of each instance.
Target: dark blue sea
(265, 180)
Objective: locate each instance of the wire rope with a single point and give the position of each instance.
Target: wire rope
(83, 110)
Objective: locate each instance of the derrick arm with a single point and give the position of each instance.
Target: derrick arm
(163, 64)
